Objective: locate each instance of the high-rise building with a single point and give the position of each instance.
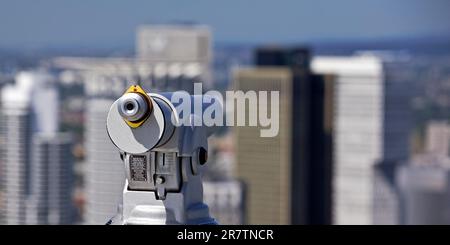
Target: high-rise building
(2, 159)
(287, 176)
(5, 78)
(386, 197)
(264, 164)
(358, 133)
(424, 185)
(174, 43)
(168, 58)
(105, 173)
(372, 124)
(29, 108)
(179, 54)
(50, 201)
(437, 138)
(16, 132)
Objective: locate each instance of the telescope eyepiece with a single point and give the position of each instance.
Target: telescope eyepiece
(133, 107)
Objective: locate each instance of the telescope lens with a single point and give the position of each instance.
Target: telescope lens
(132, 107)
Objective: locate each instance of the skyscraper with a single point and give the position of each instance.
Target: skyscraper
(50, 201)
(105, 176)
(358, 133)
(180, 54)
(372, 124)
(264, 164)
(287, 176)
(16, 132)
(424, 186)
(386, 207)
(30, 108)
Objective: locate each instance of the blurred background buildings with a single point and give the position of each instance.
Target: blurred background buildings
(364, 124)
(36, 158)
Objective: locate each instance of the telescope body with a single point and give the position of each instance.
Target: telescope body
(163, 160)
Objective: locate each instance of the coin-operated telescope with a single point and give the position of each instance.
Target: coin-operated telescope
(163, 160)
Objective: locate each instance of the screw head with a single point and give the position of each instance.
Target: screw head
(160, 180)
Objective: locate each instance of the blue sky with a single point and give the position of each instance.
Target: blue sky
(110, 23)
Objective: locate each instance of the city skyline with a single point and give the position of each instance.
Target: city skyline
(362, 119)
